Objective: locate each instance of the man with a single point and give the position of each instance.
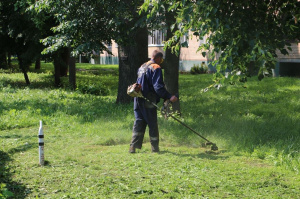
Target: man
(153, 88)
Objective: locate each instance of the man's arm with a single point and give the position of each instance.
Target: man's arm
(159, 86)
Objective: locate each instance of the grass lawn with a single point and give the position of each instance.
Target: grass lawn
(255, 125)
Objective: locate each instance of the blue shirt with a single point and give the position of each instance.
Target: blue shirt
(151, 79)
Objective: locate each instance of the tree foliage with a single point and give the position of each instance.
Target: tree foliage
(83, 26)
(163, 19)
(239, 33)
(87, 26)
(18, 33)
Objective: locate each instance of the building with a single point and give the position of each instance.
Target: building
(286, 66)
(289, 65)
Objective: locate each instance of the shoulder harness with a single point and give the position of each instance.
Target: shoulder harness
(143, 69)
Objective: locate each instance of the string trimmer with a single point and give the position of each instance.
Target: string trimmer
(134, 91)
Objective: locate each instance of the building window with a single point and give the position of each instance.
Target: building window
(157, 37)
(184, 40)
(202, 41)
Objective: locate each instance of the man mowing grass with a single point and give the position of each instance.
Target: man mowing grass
(151, 83)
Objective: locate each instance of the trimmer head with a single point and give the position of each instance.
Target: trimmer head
(213, 147)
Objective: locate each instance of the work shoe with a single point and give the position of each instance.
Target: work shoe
(131, 149)
(155, 149)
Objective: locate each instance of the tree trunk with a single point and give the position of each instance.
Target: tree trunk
(3, 62)
(61, 62)
(171, 66)
(23, 69)
(56, 69)
(9, 59)
(65, 56)
(72, 72)
(38, 64)
(130, 59)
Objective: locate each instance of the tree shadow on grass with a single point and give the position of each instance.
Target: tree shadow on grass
(18, 189)
(46, 79)
(46, 82)
(87, 108)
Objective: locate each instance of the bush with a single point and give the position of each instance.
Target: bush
(203, 68)
(196, 69)
(4, 193)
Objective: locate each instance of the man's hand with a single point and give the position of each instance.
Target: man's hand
(173, 98)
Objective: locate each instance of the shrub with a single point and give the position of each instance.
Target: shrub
(195, 69)
(4, 193)
(203, 68)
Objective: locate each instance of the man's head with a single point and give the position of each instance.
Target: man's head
(157, 56)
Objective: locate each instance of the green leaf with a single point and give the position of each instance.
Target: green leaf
(196, 33)
(284, 51)
(185, 44)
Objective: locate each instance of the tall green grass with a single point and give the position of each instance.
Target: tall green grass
(259, 118)
(255, 125)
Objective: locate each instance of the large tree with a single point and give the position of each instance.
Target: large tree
(171, 74)
(80, 27)
(131, 34)
(86, 26)
(19, 34)
(243, 34)
(163, 19)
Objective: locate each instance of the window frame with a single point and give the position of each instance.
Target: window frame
(156, 38)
